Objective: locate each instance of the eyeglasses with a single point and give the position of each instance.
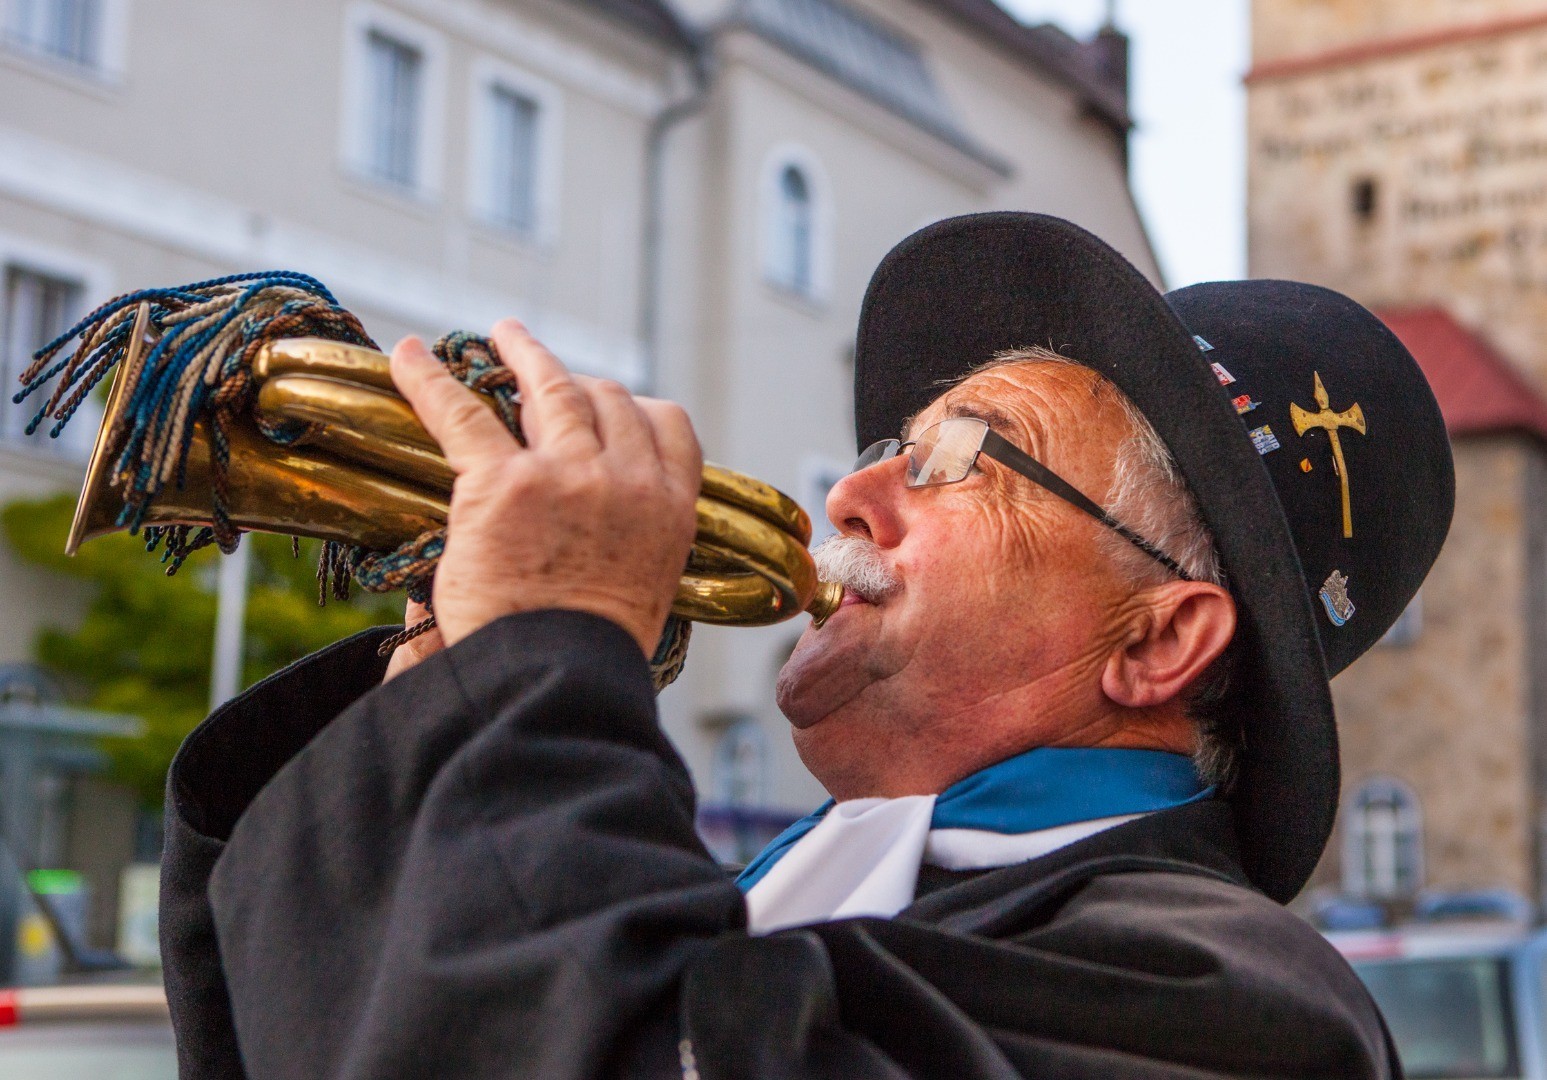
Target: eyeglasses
(944, 453)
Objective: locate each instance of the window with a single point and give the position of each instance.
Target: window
(513, 185)
(792, 232)
(1365, 198)
(794, 225)
(514, 167)
(1383, 842)
(70, 30)
(37, 308)
(393, 100)
(396, 95)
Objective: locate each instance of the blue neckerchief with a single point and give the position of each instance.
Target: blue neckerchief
(1040, 789)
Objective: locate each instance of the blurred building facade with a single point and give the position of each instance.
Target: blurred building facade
(689, 199)
(1398, 152)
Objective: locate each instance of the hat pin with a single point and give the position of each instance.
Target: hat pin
(1330, 421)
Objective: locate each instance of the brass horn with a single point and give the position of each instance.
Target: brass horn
(371, 475)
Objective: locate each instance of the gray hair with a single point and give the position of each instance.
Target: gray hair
(1150, 496)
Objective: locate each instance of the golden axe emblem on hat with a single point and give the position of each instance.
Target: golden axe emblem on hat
(1329, 421)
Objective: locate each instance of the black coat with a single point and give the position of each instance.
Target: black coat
(487, 868)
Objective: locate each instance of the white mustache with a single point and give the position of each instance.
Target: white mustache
(856, 564)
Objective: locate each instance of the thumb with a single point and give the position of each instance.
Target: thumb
(420, 648)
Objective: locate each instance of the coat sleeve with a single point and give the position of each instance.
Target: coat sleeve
(487, 866)
(216, 772)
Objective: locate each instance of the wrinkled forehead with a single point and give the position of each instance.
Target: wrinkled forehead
(1026, 401)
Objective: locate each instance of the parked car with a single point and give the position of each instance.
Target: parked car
(1462, 1002)
(96, 1032)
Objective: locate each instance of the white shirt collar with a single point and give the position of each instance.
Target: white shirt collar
(863, 858)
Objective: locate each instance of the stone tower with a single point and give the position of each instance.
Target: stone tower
(1398, 153)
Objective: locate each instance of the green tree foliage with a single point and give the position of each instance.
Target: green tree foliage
(144, 646)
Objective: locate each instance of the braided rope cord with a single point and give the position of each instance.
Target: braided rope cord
(201, 368)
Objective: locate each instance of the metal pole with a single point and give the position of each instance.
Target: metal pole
(226, 671)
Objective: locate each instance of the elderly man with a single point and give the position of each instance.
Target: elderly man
(1073, 713)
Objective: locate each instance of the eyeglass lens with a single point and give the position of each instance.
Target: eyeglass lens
(944, 453)
(876, 452)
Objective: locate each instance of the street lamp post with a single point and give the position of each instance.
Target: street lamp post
(226, 671)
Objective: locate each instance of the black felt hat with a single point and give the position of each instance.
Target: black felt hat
(1246, 382)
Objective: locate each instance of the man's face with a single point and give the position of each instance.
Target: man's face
(1007, 609)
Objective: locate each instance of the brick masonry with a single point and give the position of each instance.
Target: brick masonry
(1448, 713)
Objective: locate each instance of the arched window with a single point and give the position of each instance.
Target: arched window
(794, 220)
(1383, 841)
(794, 230)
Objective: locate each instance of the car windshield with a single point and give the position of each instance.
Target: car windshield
(1450, 1017)
(88, 1051)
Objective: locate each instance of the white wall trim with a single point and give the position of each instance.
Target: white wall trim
(487, 75)
(779, 157)
(361, 18)
(110, 195)
(543, 51)
(94, 274)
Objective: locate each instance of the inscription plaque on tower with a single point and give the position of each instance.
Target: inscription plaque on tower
(1410, 176)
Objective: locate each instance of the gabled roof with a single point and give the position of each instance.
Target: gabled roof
(1046, 47)
(1076, 65)
(654, 17)
(1479, 392)
(867, 56)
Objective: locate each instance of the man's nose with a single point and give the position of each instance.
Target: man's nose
(867, 503)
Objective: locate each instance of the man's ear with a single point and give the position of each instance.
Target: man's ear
(1171, 641)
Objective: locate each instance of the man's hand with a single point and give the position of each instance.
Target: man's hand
(420, 648)
(595, 513)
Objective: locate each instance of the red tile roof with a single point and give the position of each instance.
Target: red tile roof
(1478, 391)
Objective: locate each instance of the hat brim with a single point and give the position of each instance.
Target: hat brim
(956, 293)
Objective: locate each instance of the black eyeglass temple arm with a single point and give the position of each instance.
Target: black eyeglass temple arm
(1007, 453)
